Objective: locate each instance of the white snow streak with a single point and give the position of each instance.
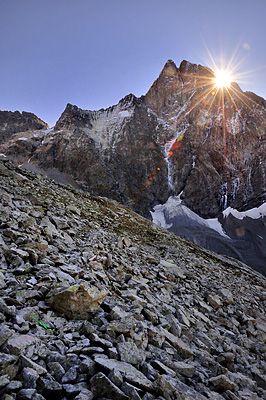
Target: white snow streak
(253, 213)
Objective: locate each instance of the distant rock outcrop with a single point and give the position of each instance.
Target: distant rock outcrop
(13, 122)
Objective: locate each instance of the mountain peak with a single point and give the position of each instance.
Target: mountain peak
(188, 67)
(170, 69)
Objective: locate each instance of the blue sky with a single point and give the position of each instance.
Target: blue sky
(93, 53)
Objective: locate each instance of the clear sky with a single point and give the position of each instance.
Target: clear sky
(94, 52)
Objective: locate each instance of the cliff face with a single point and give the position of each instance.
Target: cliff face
(97, 302)
(112, 153)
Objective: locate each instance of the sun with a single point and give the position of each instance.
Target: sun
(222, 79)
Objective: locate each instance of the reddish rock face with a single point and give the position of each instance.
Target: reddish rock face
(184, 136)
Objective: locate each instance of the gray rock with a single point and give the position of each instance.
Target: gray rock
(214, 300)
(49, 388)
(2, 277)
(118, 313)
(184, 350)
(5, 334)
(226, 295)
(155, 337)
(184, 369)
(167, 386)
(116, 377)
(221, 383)
(29, 377)
(85, 394)
(72, 390)
(129, 353)
(4, 380)
(112, 353)
(163, 368)
(18, 344)
(9, 365)
(259, 377)
(173, 268)
(126, 326)
(87, 366)
(70, 376)
(26, 394)
(8, 397)
(14, 386)
(171, 388)
(38, 396)
(130, 373)
(56, 370)
(130, 391)
(101, 385)
(26, 362)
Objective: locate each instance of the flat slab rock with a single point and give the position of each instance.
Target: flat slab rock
(18, 344)
(130, 373)
(184, 350)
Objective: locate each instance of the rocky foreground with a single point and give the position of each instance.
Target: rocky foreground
(99, 303)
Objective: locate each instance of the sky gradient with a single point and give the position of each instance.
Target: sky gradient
(93, 53)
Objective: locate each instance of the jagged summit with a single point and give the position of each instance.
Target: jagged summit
(170, 69)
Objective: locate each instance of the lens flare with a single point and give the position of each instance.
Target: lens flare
(223, 79)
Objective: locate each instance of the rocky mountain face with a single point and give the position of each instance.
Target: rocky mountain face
(184, 137)
(97, 302)
(216, 152)
(13, 122)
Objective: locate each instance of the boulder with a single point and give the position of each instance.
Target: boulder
(221, 383)
(77, 301)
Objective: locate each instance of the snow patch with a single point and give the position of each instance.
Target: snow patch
(106, 125)
(2, 155)
(158, 217)
(193, 161)
(174, 208)
(124, 113)
(214, 224)
(48, 130)
(253, 213)
(22, 138)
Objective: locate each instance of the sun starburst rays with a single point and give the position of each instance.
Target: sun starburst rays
(220, 87)
(223, 78)
(220, 105)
